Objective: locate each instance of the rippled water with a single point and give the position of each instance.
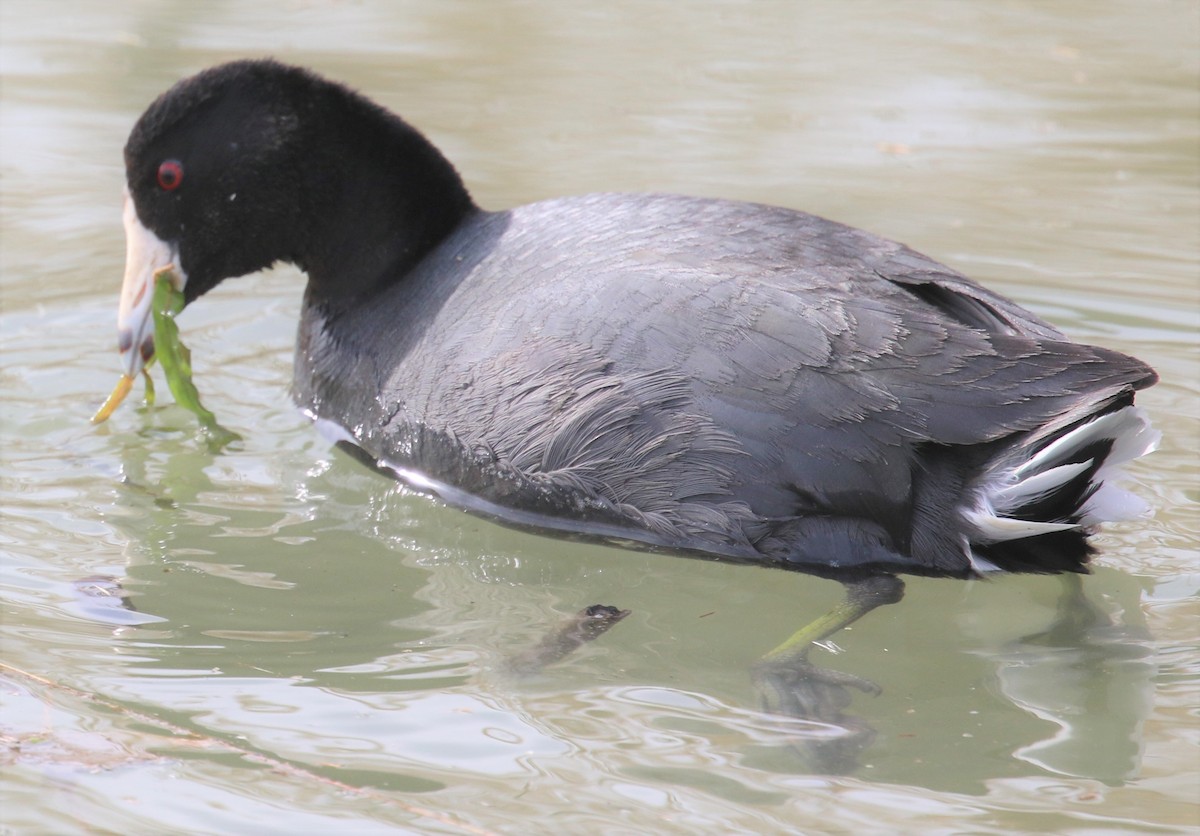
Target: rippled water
(306, 646)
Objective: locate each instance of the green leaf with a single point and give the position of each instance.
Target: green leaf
(176, 359)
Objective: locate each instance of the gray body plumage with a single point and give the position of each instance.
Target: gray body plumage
(728, 378)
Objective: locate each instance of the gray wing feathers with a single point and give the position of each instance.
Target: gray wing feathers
(684, 386)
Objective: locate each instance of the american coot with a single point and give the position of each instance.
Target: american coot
(704, 376)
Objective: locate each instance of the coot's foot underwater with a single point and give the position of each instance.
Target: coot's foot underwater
(724, 379)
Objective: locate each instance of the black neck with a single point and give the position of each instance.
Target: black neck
(382, 197)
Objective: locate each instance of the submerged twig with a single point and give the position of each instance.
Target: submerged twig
(585, 626)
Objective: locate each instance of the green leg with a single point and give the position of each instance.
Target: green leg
(790, 685)
(861, 597)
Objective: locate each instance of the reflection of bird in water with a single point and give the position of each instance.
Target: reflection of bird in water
(1093, 679)
(703, 376)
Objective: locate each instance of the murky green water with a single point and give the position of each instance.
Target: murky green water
(310, 647)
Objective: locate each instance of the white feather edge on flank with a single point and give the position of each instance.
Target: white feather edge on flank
(979, 564)
(1019, 479)
(331, 431)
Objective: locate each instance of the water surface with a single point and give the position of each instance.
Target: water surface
(308, 646)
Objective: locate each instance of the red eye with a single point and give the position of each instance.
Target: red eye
(170, 175)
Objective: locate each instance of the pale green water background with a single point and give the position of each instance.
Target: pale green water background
(293, 605)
